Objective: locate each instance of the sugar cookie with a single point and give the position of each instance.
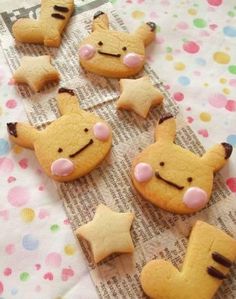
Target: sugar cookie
(108, 232)
(209, 256)
(174, 178)
(47, 30)
(72, 145)
(138, 95)
(115, 54)
(36, 72)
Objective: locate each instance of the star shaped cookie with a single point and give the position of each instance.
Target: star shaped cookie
(36, 72)
(138, 95)
(108, 232)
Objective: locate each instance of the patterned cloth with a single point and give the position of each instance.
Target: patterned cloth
(195, 55)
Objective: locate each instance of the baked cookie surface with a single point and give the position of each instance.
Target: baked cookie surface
(138, 95)
(36, 72)
(108, 232)
(47, 30)
(72, 145)
(114, 54)
(173, 178)
(209, 256)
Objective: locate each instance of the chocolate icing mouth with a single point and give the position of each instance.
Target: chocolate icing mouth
(81, 149)
(108, 54)
(158, 176)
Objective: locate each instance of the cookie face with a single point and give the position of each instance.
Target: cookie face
(47, 30)
(174, 178)
(114, 54)
(69, 147)
(209, 256)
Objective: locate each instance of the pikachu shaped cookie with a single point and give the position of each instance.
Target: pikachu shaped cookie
(72, 145)
(174, 178)
(47, 30)
(209, 256)
(115, 54)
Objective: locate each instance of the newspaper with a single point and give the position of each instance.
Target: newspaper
(156, 233)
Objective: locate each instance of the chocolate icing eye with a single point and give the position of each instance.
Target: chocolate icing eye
(124, 48)
(60, 150)
(162, 163)
(190, 179)
(86, 130)
(100, 43)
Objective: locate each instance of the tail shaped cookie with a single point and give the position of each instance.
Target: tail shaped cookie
(47, 29)
(209, 256)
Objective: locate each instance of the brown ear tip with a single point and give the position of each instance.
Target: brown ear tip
(98, 14)
(228, 149)
(66, 90)
(152, 26)
(11, 128)
(164, 118)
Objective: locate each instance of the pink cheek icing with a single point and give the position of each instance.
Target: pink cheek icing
(86, 51)
(62, 167)
(143, 172)
(101, 131)
(132, 60)
(195, 198)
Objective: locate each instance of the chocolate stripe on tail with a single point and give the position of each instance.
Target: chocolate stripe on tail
(220, 259)
(58, 16)
(215, 273)
(60, 8)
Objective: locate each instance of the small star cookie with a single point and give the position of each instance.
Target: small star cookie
(138, 95)
(36, 72)
(108, 232)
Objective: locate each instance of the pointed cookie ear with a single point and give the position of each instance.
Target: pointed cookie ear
(217, 156)
(67, 101)
(23, 134)
(166, 129)
(100, 21)
(146, 32)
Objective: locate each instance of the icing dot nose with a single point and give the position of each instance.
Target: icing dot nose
(101, 131)
(195, 198)
(143, 172)
(86, 51)
(132, 60)
(62, 167)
